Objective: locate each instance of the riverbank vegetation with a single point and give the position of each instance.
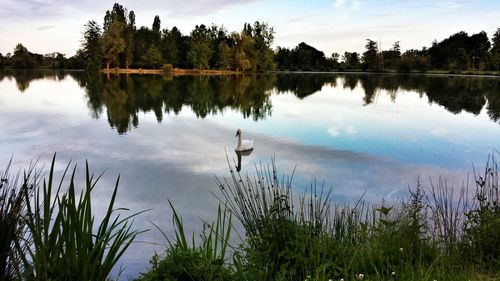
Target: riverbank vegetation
(48, 232)
(119, 43)
(434, 234)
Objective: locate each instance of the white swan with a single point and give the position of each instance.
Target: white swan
(243, 145)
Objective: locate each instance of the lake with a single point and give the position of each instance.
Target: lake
(365, 135)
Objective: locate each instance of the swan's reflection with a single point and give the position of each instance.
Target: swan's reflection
(239, 154)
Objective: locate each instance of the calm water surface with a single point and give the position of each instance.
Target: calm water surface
(168, 136)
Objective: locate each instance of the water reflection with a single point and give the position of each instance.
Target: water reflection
(239, 154)
(123, 97)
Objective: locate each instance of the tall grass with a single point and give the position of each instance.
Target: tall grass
(50, 233)
(433, 234)
(185, 260)
(13, 212)
(439, 233)
(66, 243)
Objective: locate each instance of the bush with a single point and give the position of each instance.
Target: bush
(168, 68)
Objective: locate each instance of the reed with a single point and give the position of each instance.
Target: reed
(13, 212)
(185, 260)
(65, 242)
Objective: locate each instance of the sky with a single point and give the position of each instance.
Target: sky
(46, 26)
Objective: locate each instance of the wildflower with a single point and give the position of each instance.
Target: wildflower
(359, 276)
(341, 279)
(400, 249)
(393, 273)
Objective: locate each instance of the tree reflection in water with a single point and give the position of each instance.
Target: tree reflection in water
(123, 97)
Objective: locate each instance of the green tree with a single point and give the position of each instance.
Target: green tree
(129, 38)
(92, 53)
(119, 15)
(351, 60)
(479, 44)
(263, 37)
(224, 56)
(495, 51)
(152, 58)
(112, 43)
(200, 52)
(22, 58)
(156, 32)
(171, 46)
(142, 41)
(243, 42)
(370, 56)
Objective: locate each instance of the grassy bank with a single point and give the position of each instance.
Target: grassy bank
(48, 232)
(433, 234)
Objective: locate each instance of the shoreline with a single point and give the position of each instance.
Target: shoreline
(180, 72)
(175, 71)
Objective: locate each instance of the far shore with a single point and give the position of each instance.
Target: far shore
(179, 71)
(175, 71)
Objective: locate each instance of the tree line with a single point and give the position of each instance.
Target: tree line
(120, 43)
(457, 53)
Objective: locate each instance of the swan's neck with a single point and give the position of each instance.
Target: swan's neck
(239, 139)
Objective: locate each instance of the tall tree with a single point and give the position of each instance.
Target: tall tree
(479, 45)
(495, 51)
(225, 56)
(156, 31)
(112, 43)
(129, 39)
(142, 41)
(118, 16)
(152, 58)
(171, 46)
(91, 48)
(351, 60)
(200, 52)
(243, 42)
(370, 56)
(22, 58)
(263, 37)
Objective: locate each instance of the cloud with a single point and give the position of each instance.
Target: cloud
(333, 132)
(347, 4)
(337, 4)
(450, 4)
(45, 27)
(63, 8)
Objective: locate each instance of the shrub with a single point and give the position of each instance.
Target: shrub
(168, 68)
